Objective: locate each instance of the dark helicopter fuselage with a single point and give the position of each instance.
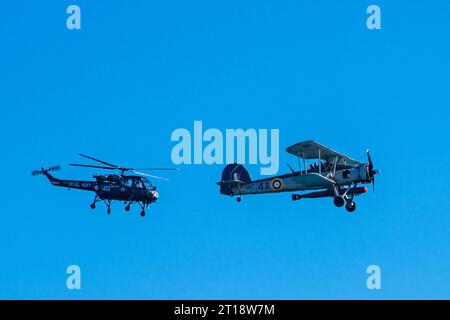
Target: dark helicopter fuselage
(112, 187)
(130, 189)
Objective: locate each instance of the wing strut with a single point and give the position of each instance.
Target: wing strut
(334, 166)
(320, 164)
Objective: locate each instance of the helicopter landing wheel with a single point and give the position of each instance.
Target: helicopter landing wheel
(238, 199)
(143, 213)
(92, 205)
(127, 208)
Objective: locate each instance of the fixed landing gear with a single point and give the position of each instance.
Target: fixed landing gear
(96, 199)
(108, 206)
(341, 198)
(107, 202)
(339, 201)
(350, 206)
(143, 206)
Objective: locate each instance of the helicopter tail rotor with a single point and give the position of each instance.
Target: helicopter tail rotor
(43, 171)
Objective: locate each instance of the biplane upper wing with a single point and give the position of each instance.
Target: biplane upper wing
(314, 150)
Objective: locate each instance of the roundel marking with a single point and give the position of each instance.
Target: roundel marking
(277, 184)
(96, 187)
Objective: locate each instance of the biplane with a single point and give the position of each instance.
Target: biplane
(331, 174)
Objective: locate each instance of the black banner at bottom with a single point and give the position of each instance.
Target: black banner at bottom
(226, 309)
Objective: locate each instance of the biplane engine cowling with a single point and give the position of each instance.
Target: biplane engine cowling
(364, 173)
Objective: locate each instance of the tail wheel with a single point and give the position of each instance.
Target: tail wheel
(142, 213)
(238, 199)
(350, 207)
(92, 206)
(127, 208)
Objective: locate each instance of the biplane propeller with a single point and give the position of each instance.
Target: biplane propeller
(371, 171)
(332, 174)
(126, 187)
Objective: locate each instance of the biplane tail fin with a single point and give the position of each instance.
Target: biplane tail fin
(233, 175)
(236, 172)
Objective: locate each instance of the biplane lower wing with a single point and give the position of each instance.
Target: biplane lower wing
(313, 181)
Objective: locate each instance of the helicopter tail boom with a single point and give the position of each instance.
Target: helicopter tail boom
(46, 173)
(71, 184)
(51, 178)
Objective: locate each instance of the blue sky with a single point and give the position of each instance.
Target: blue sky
(138, 70)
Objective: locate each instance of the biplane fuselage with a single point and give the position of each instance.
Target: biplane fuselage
(335, 174)
(299, 181)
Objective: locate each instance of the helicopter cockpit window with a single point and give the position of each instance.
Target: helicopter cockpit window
(127, 182)
(138, 184)
(148, 184)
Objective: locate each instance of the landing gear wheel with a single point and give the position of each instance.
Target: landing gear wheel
(109, 211)
(142, 213)
(92, 205)
(339, 201)
(350, 207)
(127, 208)
(238, 199)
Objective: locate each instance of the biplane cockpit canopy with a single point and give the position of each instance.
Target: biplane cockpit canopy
(309, 150)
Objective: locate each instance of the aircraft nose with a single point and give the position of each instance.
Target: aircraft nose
(155, 194)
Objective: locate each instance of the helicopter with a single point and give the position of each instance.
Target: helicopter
(124, 187)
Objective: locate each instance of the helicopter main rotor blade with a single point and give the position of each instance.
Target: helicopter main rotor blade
(150, 175)
(122, 169)
(88, 157)
(158, 169)
(89, 166)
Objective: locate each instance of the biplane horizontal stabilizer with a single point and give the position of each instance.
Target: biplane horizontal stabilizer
(231, 183)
